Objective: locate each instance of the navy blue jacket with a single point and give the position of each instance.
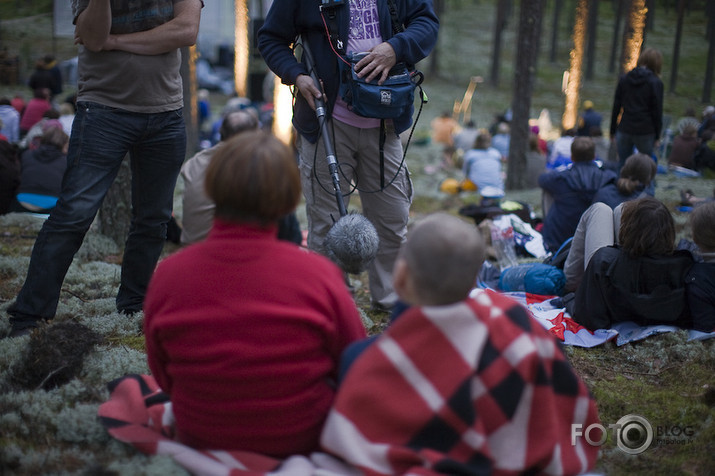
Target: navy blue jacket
(573, 191)
(288, 19)
(611, 196)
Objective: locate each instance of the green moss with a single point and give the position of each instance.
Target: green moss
(130, 342)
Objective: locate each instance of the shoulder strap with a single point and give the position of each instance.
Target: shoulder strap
(327, 11)
(396, 25)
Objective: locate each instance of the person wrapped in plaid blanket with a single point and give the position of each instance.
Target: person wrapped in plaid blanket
(459, 384)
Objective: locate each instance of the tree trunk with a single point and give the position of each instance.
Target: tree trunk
(191, 106)
(633, 35)
(620, 7)
(530, 20)
(650, 18)
(558, 6)
(592, 29)
(676, 46)
(570, 116)
(115, 215)
(707, 84)
(439, 7)
(496, 51)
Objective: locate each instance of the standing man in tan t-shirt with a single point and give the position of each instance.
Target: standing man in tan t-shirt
(129, 100)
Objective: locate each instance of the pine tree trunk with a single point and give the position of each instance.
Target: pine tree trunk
(676, 46)
(573, 87)
(558, 6)
(502, 8)
(439, 7)
(592, 29)
(708, 82)
(530, 20)
(618, 14)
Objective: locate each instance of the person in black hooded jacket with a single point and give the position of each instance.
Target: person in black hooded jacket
(700, 281)
(42, 171)
(639, 102)
(641, 279)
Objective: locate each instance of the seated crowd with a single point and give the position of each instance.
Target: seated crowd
(272, 385)
(261, 348)
(34, 138)
(310, 380)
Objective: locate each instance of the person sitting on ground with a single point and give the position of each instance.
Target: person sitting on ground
(543, 145)
(682, 153)
(560, 155)
(464, 139)
(689, 199)
(635, 177)
(700, 280)
(43, 168)
(502, 139)
(35, 109)
(535, 162)
(603, 149)
(633, 181)
(444, 127)
(67, 113)
(640, 277)
(459, 384)
(245, 331)
(568, 193)
(18, 102)
(483, 166)
(588, 119)
(10, 121)
(705, 154)
(708, 120)
(32, 138)
(198, 209)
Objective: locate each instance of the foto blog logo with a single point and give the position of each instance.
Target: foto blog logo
(633, 434)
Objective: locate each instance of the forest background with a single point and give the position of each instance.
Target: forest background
(667, 379)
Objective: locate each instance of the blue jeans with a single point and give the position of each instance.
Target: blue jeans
(101, 137)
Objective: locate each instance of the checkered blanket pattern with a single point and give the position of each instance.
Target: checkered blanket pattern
(505, 404)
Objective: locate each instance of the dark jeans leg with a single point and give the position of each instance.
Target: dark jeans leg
(99, 141)
(156, 160)
(626, 142)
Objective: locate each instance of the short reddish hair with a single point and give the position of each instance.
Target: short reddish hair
(253, 177)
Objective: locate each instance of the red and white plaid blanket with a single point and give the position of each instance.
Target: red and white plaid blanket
(477, 387)
(139, 413)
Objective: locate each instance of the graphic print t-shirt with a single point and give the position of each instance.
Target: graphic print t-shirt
(364, 34)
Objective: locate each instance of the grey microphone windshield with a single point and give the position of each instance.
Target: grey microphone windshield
(352, 243)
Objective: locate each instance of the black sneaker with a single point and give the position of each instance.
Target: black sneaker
(378, 307)
(19, 332)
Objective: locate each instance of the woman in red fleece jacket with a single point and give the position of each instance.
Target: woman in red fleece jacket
(244, 331)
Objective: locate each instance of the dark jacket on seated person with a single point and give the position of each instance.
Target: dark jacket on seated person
(701, 296)
(572, 191)
(42, 170)
(647, 290)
